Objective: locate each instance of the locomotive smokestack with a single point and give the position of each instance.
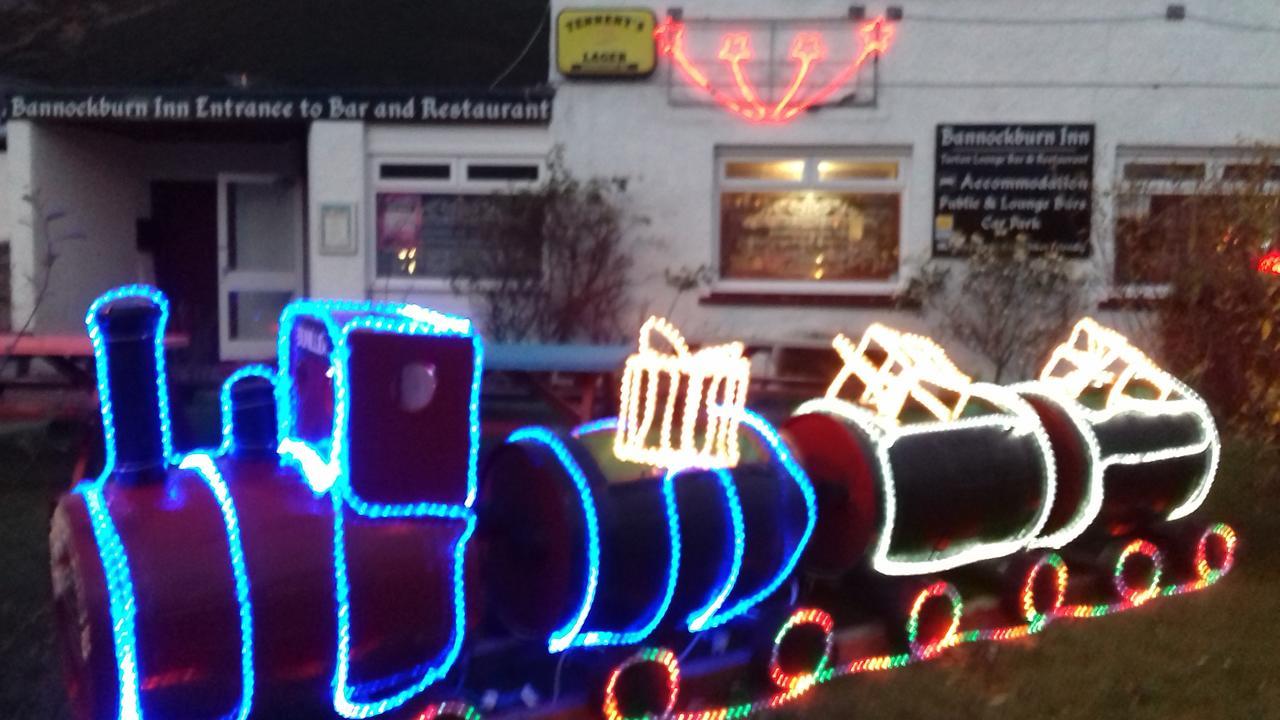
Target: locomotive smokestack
(133, 381)
(253, 415)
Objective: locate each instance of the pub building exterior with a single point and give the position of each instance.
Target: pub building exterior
(808, 154)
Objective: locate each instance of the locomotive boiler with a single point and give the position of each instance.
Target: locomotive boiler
(346, 551)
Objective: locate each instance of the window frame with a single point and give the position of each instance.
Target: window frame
(1215, 161)
(457, 184)
(811, 155)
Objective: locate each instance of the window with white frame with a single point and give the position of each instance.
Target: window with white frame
(433, 215)
(1165, 198)
(820, 217)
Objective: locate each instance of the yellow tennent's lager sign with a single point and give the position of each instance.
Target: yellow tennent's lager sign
(605, 42)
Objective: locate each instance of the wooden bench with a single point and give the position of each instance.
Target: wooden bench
(570, 378)
(70, 355)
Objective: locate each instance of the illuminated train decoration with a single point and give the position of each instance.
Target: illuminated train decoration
(347, 552)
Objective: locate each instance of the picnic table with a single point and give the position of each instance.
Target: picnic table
(592, 371)
(70, 355)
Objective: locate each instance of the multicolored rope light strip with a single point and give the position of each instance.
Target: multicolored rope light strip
(803, 616)
(1030, 612)
(1138, 596)
(661, 656)
(926, 649)
(459, 710)
(1205, 575)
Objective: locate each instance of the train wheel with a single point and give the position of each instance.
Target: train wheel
(801, 649)
(645, 685)
(933, 624)
(1137, 571)
(1215, 553)
(1043, 589)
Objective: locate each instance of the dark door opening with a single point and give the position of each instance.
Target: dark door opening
(182, 237)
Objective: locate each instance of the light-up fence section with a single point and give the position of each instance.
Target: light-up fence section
(346, 550)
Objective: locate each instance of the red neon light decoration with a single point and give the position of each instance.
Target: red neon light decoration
(806, 51)
(1269, 264)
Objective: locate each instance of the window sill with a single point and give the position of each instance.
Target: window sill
(873, 300)
(1134, 297)
(1129, 302)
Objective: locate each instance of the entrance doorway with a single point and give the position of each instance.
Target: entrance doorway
(228, 253)
(259, 260)
(182, 236)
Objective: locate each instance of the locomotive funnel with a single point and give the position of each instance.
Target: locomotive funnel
(127, 329)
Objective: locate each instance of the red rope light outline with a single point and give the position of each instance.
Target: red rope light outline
(807, 49)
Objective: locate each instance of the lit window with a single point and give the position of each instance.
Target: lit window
(856, 170)
(765, 170)
(432, 220)
(825, 217)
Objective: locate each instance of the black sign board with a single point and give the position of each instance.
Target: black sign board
(431, 108)
(999, 183)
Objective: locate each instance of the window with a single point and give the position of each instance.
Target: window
(1165, 200)
(820, 217)
(433, 216)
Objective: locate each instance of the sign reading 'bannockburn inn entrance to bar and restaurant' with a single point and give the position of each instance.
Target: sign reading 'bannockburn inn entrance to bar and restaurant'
(520, 108)
(1001, 183)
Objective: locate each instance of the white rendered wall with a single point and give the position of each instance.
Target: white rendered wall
(21, 241)
(1147, 83)
(100, 182)
(6, 217)
(90, 180)
(336, 166)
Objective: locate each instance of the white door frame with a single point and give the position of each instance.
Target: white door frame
(233, 280)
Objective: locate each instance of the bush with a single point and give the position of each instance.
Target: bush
(1004, 302)
(1218, 323)
(551, 263)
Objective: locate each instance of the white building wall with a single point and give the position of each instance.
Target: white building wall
(1141, 80)
(1147, 82)
(87, 181)
(336, 165)
(18, 166)
(6, 217)
(98, 185)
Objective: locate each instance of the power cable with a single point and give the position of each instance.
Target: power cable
(527, 46)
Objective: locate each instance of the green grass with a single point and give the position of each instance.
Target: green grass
(34, 468)
(1211, 654)
(1206, 655)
